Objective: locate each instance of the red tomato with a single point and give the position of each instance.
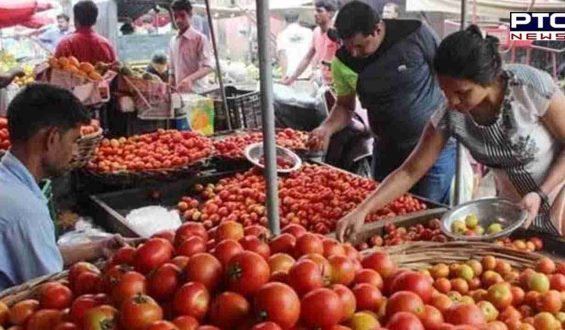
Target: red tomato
(351, 252)
(152, 254)
(208, 327)
(123, 256)
(348, 300)
(162, 325)
(164, 282)
(342, 269)
(404, 301)
(45, 319)
(229, 310)
(295, 230)
(258, 231)
(321, 308)
(81, 305)
(87, 282)
(180, 262)
(284, 243)
(431, 317)
(186, 323)
(369, 276)
(280, 262)
(139, 312)
(191, 246)
(247, 272)
(404, 321)
(254, 244)
(277, 302)
(226, 249)
(333, 247)
(192, 299)
(190, 229)
(167, 234)
(367, 297)
(308, 244)
(465, 314)
(414, 282)
(103, 317)
(66, 326)
(206, 269)
(229, 230)
(78, 268)
(380, 262)
(55, 296)
(305, 276)
(266, 326)
(22, 311)
(130, 284)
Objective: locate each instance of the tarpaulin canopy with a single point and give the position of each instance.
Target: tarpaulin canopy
(24, 12)
(491, 8)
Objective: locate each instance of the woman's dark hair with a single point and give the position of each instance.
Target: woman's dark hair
(39, 106)
(180, 5)
(356, 17)
(468, 55)
(85, 12)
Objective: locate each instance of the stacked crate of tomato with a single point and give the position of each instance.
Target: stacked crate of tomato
(4, 135)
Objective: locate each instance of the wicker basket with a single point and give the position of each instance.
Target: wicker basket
(423, 255)
(86, 147)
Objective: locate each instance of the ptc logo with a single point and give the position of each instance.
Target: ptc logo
(537, 26)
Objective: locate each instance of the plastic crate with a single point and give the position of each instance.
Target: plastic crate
(244, 109)
(47, 190)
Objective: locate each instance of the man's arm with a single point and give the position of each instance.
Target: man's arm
(73, 253)
(301, 67)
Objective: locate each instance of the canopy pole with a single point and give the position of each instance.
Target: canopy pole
(218, 68)
(459, 161)
(268, 114)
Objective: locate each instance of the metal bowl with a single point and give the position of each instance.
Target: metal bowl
(487, 210)
(254, 153)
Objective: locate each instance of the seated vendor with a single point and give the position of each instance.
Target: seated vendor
(44, 124)
(159, 66)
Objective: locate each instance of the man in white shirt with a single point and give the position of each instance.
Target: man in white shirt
(293, 43)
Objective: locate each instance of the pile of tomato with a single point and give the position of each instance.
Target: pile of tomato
(232, 277)
(315, 197)
(4, 135)
(91, 128)
(163, 149)
(283, 163)
(431, 231)
(234, 146)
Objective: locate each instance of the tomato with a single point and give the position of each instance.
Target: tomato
(103, 317)
(284, 243)
(465, 314)
(167, 234)
(295, 230)
(351, 252)
(130, 284)
(191, 246)
(348, 301)
(380, 262)
(4, 313)
(342, 269)
(414, 282)
(277, 302)
(332, 247)
(55, 296)
(186, 322)
(226, 249)
(369, 276)
(258, 231)
(308, 244)
(139, 312)
(78, 268)
(305, 276)
(550, 302)
(66, 326)
(190, 229)
(123, 256)
(162, 325)
(180, 262)
(266, 326)
(431, 317)
(229, 310)
(247, 272)
(152, 254)
(22, 311)
(192, 299)
(164, 282)
(404, 301)
(280, 262)
(229, 230)
(404, 321)
(208, 327)
(206, 269)
(112, 276)
(500, 295)
(81, 305)
(45, 319)
(367, 297)
(254, 244)
(87, 282)
(321, 308)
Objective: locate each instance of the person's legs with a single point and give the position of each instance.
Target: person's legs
(436, 184)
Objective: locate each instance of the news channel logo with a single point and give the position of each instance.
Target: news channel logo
(537, 26)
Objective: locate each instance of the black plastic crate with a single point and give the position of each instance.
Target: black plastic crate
(244, 109)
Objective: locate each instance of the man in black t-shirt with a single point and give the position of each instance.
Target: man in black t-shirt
(396, 85)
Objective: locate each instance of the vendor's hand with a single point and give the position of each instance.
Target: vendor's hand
(287, 80)
(109, 245)
(530, 203)
(186, 85)
(349, 225)
(319, 139)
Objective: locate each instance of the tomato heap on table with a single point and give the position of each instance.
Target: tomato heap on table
(232, 277)
(4, 135)
(91, 128)
(314, 196)
(234, 146)
(163, 149)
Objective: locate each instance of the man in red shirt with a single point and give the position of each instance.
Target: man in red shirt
(85, 44)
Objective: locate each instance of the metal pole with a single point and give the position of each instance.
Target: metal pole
(269, 144)
(218, 68)
(459, 162)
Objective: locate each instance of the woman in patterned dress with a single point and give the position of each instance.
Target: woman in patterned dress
(510, 117)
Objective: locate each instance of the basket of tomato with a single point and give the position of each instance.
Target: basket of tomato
(90, 138)
(4, 136)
